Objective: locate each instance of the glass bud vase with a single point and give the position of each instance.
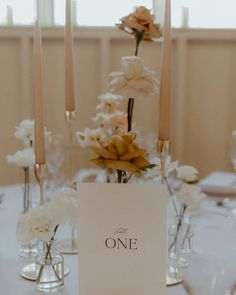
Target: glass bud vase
(179, 236)
(31, 249)
(187, 244)
(50, 269)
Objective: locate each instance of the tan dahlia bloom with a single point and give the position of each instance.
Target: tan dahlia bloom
(141, 20)
(121, 153)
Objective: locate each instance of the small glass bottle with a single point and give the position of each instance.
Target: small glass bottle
(50, 269)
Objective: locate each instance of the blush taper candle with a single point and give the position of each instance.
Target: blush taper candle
(70, 101)
(165, 81)
(38, 97)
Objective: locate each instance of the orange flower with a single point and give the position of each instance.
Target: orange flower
(121, 153)
(140, 21)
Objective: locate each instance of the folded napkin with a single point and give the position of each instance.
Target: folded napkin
(219, 183)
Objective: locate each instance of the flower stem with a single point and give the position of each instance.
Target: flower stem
(171, 195)
(138, 38)
(179, 224)
(26, 191)
(186, 235)
(48, 254)
(130, 113)
(119, 176)
(128, 178)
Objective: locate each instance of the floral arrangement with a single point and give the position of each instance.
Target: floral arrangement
(109, 119)
(25, 158)
(25, 133)
(42, 223)
(112, 139)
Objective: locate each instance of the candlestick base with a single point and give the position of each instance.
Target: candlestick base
(29, 272)
(172, 281)
(70, 116)
(163, 146)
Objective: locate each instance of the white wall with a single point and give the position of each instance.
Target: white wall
(203, 100)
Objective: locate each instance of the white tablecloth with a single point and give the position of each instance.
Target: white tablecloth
(11, 283)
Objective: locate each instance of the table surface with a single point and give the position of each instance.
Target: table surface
(11, 263)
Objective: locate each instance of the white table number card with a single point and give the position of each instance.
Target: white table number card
(122, 239)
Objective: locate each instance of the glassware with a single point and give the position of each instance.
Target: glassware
(30, 250)
(212, 267)
(50, 269)
(180, 242)
(55, 148)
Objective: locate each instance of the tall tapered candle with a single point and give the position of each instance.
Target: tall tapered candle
(38, 97)
(70, 102)
(165, 83)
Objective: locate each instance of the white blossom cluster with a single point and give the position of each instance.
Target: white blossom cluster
(40, 223)
(25, 157)
(133, 81)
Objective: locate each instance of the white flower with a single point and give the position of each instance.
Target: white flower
(23, 158)
(40, 223)
(90, 137)
(110, 96)
(187, 173)
(156, 171)
(190, 195)
(116, 119)
(134, 80)
(25, 132)
(35, 224)
(108, 102)
(63, 206)
(100, 118)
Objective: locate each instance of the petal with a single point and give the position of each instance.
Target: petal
(140, 162)
(100, 151)
(119, 144)
(133, 155)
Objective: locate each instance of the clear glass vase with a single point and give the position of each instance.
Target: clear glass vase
(30, 250)
(212, 266)
(50, 269)
(180, 236)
